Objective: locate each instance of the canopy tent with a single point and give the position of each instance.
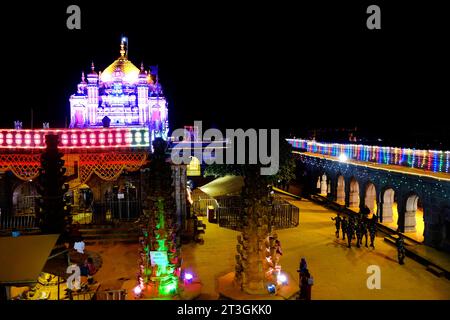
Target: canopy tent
(22, 258)
(224, 186)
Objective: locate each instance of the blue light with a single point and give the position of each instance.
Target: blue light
(271, 288)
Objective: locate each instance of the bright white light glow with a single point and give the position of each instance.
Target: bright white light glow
(343, 157)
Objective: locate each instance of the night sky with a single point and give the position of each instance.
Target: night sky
(264, 66)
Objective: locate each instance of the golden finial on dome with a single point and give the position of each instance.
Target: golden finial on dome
(123, 47)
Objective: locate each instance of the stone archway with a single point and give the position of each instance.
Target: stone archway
(412, 212)
(388, 200)
(324, 185)
(340, 192)
(354, 200)
(370, 199)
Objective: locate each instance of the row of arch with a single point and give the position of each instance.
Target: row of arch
(382, 202)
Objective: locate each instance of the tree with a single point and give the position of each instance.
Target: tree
(161, 232)
(54, 212)
(258, 248)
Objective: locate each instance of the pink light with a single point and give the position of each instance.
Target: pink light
(65, 138)
(128, 137)
(74, 139)
(27, 139)
(83, 138)
(18, 139)
(101, 138)
(9, 139)
(137, 290)
(37, 139)
(92, 138)
(119, 137)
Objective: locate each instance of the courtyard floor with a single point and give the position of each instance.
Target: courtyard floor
(339, 272)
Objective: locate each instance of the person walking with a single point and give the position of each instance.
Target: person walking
(344, 224)
(358, 232)
(337, 224)
(350, 231)
(400, 249)
(363, 226)
(309, 284)
(372, 232)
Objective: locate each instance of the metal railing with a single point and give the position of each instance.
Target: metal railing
(111, 295)
(19, 222)
(283, 214)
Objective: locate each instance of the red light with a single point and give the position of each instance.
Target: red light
(1, 138)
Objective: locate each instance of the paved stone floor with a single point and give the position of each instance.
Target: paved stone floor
(339, 272)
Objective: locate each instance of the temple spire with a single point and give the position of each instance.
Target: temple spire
(82, 76)
(124, 47)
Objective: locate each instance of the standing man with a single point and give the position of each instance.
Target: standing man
(372, 231)
(400, 249)
(344, 225)
(358, 232)
(363, 226)
(350, 231)
(337, 224)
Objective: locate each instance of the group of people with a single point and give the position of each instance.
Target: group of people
(357, 227)
(306, 280)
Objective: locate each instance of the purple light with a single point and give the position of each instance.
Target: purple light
(188, 276)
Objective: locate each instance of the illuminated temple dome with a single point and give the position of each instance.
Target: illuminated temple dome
(122, 67)
(122, 95)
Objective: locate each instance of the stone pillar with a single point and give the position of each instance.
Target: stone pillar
(340, 192)
(387, 214)
(323, 185)
(354, 199)
(434, 225)
(410, 221)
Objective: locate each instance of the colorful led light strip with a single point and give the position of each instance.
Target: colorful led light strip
(77, 138)
(429, 160)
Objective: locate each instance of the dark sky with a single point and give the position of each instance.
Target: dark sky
(292, 67)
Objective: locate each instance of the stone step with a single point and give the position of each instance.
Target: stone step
(110, 235)
(411, 253)
(109, 231)
(109, 241)
(436, 270)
